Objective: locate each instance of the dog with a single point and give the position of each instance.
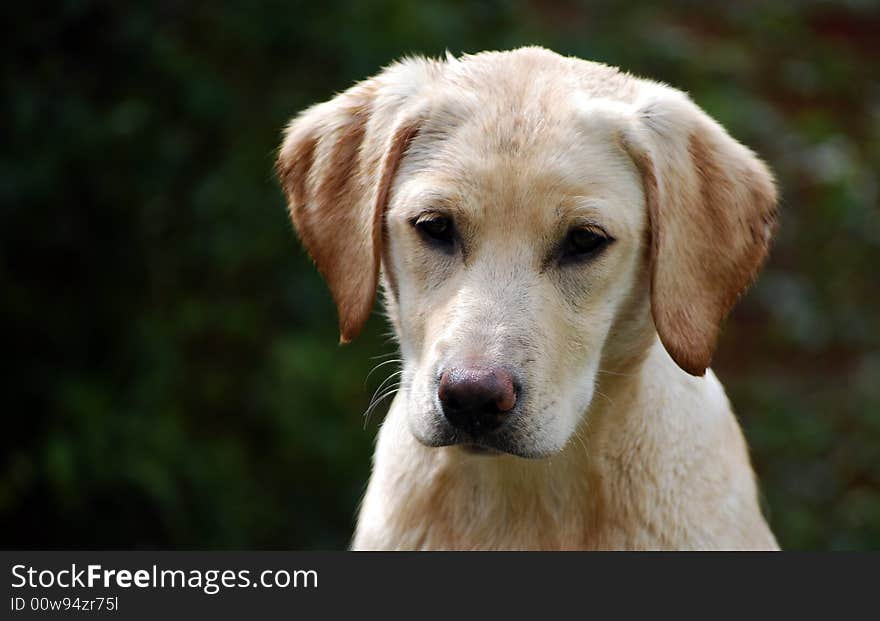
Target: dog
(558, 243)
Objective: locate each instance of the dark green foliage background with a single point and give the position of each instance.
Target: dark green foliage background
(171, 376)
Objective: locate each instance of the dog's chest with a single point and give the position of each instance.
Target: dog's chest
(468, 507)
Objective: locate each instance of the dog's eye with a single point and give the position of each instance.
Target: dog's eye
(436, 228)
(582, 243)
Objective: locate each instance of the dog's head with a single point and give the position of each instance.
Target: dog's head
(538, 221)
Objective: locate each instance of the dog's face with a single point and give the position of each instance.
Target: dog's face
(514, 263)
(538, 221)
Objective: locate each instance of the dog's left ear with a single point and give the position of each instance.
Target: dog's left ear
(337, 164)
(712, 211)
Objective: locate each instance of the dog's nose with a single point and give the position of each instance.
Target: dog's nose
(476, 399)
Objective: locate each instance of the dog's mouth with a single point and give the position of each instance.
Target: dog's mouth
(496, 446)
(485, 445)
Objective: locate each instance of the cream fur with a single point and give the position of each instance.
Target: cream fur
(634, 442)
(661, 466)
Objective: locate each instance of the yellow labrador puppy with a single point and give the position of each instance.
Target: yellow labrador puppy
(557, 242)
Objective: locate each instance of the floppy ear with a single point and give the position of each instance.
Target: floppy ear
(336, 165)
(712, 211)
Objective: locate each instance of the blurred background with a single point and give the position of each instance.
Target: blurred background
(171, 377)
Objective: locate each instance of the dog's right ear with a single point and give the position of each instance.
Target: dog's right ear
(336, 165)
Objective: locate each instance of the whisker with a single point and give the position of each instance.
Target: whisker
(387, 379)
(379, 389)
(375, 403)
(615, 373)
(380, 365)
(382, 385)
(577, 434)
(606, 397)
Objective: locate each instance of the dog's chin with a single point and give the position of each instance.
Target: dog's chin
(479, 450)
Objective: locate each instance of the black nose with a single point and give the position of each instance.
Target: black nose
(476, 399)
